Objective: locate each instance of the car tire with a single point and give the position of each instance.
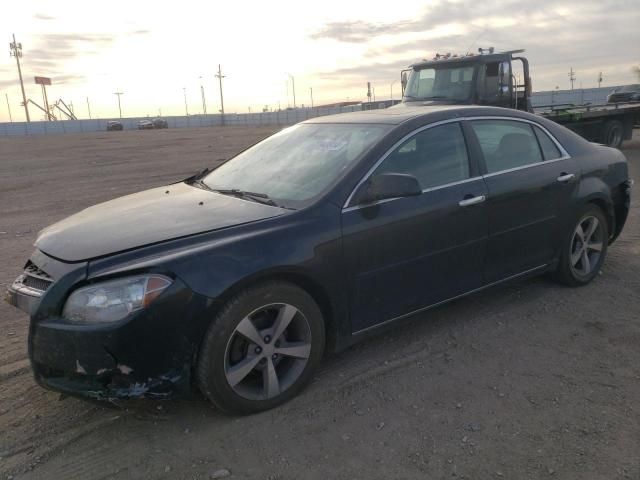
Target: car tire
(241, 369)
(583, 254)
(613, 133)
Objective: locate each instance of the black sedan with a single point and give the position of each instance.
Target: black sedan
(160, 123)
(241, 278)
(627, 93)
(114, 126)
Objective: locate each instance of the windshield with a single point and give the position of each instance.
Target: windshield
(296, 164)
(451, 83)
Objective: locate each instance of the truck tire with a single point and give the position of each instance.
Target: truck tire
(613, 133)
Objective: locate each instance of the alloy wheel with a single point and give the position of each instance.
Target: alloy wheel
(586, 246)
(267, 351)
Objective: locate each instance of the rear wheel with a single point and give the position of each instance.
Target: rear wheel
(613, 133)
(584, 250)
(261, 349)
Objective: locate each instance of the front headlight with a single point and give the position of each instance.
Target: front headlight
(113, 300)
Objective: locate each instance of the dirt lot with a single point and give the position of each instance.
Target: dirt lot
(525, 381)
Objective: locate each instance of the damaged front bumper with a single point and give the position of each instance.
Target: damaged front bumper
(80, 362)
(148, 354)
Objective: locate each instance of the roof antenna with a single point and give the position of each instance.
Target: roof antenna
(476, 41)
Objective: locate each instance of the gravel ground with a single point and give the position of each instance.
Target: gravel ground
(530, 380)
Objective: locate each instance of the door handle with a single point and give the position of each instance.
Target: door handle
(467, 202)
(565, 177)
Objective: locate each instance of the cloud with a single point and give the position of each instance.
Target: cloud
(52, 52)
(557, 35)
(67, 79)
(42, 16)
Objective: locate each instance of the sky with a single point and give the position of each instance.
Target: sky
(158, 51)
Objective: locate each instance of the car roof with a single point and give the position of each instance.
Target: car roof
(404, 112)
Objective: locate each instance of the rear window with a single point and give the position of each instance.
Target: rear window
(506, 144)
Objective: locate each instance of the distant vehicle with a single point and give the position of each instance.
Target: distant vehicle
(502, 80)
(114, 125)
(145, 125)
(238, 279)
(152, 124)
(628, 93)
(160, 123)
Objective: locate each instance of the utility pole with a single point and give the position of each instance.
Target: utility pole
(391, 92)
(311, 90)
(16, 51)
(219, 76)
(599, 79)
(186, 109)
(89, 108)
(119, 106)
(572, 76)
(204, 102)
(6, 95)
(293, 87)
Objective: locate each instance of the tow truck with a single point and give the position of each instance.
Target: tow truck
(502, 80)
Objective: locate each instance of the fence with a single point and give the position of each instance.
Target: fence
(595, 96)
(284, 117)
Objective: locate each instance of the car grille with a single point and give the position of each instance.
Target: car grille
(35, 278)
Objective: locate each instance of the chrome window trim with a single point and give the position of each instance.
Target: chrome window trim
(386, 154)
(564, 153)
(430, 189)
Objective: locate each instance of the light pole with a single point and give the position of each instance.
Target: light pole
(311, 90)
(89, 108)
(204, 102)
(186, 109)
(6, 95)
(119, 106)
(16, 51)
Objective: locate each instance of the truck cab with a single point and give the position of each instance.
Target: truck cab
(488, 78)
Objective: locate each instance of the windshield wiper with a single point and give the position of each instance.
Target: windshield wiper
(254, 196)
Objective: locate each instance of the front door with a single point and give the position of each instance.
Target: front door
(405, 254)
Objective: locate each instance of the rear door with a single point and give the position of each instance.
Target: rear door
(405, 254)
(531, 181)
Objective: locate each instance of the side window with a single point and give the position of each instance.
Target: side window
(436, 156)
(549, 149)
(506, 144)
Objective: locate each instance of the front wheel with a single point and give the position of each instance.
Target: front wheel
(261, 349)
(584, 251)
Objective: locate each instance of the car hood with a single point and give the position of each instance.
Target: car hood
(145, 218)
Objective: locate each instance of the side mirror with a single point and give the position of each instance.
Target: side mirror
(387, 185)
